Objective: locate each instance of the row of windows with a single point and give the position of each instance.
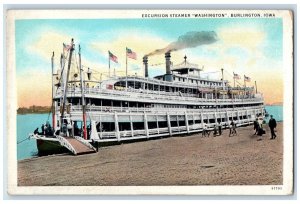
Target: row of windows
(197, 81)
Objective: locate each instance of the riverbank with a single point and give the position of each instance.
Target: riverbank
(189, 160)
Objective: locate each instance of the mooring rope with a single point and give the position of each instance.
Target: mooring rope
(23, 140)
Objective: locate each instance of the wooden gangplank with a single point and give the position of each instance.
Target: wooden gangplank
(76, 146)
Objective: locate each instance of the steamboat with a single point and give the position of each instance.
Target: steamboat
(88, 112)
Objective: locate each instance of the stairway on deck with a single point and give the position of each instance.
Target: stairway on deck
(79, 147)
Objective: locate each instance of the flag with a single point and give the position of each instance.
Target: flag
(112, 57)
(248, 79)
(66, 47)
(130, 53)
(236, 76)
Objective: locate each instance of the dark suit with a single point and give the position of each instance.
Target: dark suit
(272, 125)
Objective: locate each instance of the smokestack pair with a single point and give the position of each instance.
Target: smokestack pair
(168, 75)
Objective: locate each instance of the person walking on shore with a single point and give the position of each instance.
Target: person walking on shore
(261, 130)
(215, 131)
(220, 128)
(232, 130)
(256, 126)
(205, 131)
(272, 125)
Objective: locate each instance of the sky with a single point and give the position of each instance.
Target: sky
(247, 46)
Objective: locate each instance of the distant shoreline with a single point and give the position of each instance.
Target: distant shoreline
(34, 110)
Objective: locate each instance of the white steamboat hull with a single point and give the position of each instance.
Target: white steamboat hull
(148, 124)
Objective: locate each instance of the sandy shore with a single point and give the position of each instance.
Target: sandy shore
(189, 160)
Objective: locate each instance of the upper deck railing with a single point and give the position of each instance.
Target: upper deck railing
(112, 109)
(157, 95)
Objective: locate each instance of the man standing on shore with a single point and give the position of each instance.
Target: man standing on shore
(256, 126)
(272, 125)
(232, 130)
(220, 127)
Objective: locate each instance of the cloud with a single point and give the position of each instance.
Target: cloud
(34, 87)
(47, 43)
(249, 38)
(248, 59)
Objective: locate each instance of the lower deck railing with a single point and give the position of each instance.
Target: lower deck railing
(139, 134)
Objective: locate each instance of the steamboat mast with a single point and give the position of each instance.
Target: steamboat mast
(82, 96)
(66, 83)
(52, 102)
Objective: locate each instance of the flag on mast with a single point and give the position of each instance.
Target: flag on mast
(66, 47)
(247, 79)
(130, 53)
(112, 57)
(236, 76)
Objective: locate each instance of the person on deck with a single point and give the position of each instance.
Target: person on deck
(69, 127)
(272, 125)
(36, 131)
(65, 129)
(57, 130)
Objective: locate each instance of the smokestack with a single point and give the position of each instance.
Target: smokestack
(168, 62)
(145, 61)
(168, 75)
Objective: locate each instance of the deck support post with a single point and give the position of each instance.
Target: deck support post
(169, 124)
(117, 127)
(238, 116)
(101, 129)
(202, 121)
(216, 118)
(248, 120)
(157, 125)
(146, 125)
(194, 122)
(227, 116)
(177, 120)
(187, 122)
(131, 125)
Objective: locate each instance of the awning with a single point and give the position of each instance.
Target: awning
(206, 90)
(224, 92)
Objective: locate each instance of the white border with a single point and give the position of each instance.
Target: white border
(146, 190)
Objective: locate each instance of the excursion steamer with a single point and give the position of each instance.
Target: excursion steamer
(88, 111)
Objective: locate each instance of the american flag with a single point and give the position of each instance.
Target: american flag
(112, 57)
(66, 47)
(236, 76)
(248, 79)
(130, 53)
